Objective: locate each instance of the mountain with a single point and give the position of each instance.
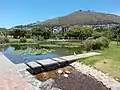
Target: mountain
(76, 18)
(84, 18)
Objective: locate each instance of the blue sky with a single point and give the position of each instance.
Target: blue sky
(16, 12)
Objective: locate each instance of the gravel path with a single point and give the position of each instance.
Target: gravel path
(107, 80)
(78, 81)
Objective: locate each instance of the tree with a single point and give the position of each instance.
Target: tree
(37, 32)
(22, 33)
(41, 32)
(80, 32)
(16, 33)
(28, 34)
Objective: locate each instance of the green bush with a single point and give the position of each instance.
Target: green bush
(22, 40)
(88, 45)
(3, 40)
(104, 41)
(6, 40)
(96, 34)
(90, 38)
(96, 44)
(110, 34)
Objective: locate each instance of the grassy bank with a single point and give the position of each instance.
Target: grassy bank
(45, 43)
(108, 62)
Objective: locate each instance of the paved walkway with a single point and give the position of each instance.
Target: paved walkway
(9, 78)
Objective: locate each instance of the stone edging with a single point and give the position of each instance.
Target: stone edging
(29, 78)
(39, 85)
(108, 81)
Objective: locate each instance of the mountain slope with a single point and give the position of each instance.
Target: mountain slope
(85, 17)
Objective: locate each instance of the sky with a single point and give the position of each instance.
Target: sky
(20, 12)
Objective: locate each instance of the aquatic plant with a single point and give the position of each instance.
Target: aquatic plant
(33, 51)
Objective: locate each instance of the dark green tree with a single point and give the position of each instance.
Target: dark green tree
(41, 32)
(79, 32)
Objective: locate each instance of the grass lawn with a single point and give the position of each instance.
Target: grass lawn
(108, 62)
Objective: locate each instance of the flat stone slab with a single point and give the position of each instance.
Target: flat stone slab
(46, 62)
(59, 60)
(62, 62)
(34, 68)
(79, 56)
(33, 65)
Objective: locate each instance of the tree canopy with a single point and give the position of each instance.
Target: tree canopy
(80, 32)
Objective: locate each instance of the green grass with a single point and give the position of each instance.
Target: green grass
(108, 62)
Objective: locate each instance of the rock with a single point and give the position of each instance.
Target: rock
(116, 79)
(68, 72)
(65, 75)
(47, 85)
(60, 71)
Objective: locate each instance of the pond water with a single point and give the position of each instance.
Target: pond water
(8, 51)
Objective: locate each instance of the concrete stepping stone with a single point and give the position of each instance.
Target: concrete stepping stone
(62, 62)
(73, 58)
(34, 68)
(48, 64)
(69, 59)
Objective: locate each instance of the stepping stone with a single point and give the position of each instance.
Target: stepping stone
(48, 64)
(69, 59)
(62, 62)
(34, 68)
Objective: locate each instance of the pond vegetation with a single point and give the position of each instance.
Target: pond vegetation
(33, 51)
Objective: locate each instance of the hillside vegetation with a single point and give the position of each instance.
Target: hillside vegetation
(85, 17)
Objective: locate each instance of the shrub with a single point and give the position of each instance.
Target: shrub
(104, 41)
(96, 44)
(3, 40)
(90, 38)
(97, 34)
(22, 40)
(110, 34)
(88, 45)
(6, 40)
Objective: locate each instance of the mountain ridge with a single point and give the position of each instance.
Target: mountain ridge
(76, 18)
(83, 18)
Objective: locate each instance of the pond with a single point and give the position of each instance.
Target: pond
(8, 50)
